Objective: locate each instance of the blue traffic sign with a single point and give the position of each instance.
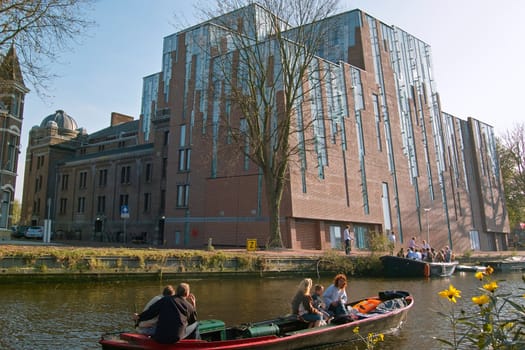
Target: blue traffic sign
(124, 212)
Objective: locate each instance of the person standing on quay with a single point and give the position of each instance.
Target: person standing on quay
(348, 236)
(392, 242)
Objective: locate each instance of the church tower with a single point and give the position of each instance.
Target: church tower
(12, 93)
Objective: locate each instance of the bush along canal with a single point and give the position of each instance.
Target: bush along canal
(80, 264)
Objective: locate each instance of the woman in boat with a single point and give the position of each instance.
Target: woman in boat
(335, 296)
(302, 304)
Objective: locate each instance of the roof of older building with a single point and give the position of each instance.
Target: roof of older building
(10, 67)
(62, 119)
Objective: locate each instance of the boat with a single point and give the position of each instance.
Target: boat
(282, 333)
(513, 263)
(471, 268)
(394, 266)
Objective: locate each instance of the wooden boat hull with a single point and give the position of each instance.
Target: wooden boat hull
(287, 337)
(394, 266)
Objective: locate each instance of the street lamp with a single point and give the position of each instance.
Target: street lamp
(428, 226)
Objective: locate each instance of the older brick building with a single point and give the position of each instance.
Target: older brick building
(12, 94)
(388, 158)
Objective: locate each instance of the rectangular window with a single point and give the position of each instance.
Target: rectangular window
(162, 200)
(164, 167)
(182, 135)
(83, 180)
(148, 172)
(125, 175)
(377, 108)
(101, 148)
(147, 202)
(123, 200)
(81, 207)
(101, 204)
(63, 205)
(183, 192)
(184, 159)
(65, 180)
(103, 177)
(166, 137)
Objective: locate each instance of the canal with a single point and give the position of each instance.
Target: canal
(74, 315)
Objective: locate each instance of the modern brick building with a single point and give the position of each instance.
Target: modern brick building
(12, 94)
(388, 158)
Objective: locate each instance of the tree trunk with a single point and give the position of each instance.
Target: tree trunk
(274, 211)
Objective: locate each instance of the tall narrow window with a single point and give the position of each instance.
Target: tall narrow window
(125, 175)
(103, 177)
(164, 167)
(184, 159)
(63, 205)
(148, 172)
(82, 180)
(377, 108)
(101, 204)
(182, 135)
(81, 206)
(147, 202)
(65, 180)
(123, 200)
(182, 195)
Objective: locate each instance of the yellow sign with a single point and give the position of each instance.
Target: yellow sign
(251, 245)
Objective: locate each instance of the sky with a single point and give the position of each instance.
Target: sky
(477, 48)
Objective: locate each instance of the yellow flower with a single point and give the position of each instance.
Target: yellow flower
(479, 275)
(451, 293)
(491, 287)
(356, 330)
(482, 299)
(489, 270)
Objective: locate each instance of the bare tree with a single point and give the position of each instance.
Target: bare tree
(40, 30)
(511, 148)
(266, 69)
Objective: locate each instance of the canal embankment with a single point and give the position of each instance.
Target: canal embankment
(33, 261)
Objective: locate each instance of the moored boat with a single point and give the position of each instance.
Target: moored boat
(471, 268)
(513, 263)
(286, 333)
(394, 266)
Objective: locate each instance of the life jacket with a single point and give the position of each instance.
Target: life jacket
(367, 305)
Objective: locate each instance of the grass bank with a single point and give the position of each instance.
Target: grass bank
(77, 263)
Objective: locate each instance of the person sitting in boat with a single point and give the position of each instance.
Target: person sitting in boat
(411, 254)
(148, 326)
(419, 255)
(177, 316)
(319, 304)
(440, 256)
(303, 306)
(335, 296)
(401, 253)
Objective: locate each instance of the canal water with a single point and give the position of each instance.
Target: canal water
(74, 315)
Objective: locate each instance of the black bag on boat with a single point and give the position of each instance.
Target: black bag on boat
(342, 319)
(393, 294)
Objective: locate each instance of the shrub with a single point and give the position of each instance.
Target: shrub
(497, 323)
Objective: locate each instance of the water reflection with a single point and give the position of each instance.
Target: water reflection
(74, 315)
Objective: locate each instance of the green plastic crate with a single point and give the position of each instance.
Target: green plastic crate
(212, 326)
